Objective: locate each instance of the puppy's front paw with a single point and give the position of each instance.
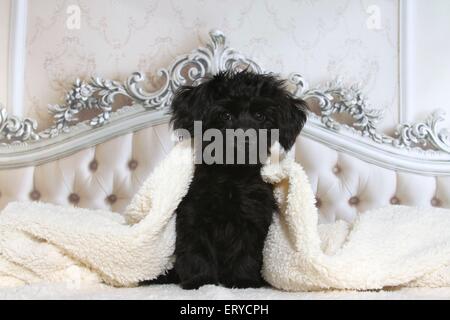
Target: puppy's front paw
(196, 282)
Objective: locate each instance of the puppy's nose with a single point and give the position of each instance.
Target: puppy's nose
(244, 123)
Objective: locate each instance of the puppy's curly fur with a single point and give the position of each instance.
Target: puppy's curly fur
(223, 220)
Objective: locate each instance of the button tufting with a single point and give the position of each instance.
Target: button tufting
(435, 202)
(318, 203)
(132, 165)
(111, 199)
(354, 201)
(35, 195)
(395, 201)
(93, 166)
(337, 170)
(74, 198)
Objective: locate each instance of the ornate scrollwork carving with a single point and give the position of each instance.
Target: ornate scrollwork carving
(15, 130)
(427, 134)
(100, 94)
(334, 98)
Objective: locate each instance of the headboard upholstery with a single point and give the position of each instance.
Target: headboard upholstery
(101, 163)
(105, 176)
(345, 185)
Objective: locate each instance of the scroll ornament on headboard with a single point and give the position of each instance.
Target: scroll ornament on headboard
(334, 98)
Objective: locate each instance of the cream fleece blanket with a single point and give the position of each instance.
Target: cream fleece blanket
(393, 246)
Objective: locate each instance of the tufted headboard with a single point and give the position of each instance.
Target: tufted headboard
(101, 161)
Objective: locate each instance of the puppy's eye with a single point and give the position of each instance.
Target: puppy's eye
(226, 116)
(259, 116)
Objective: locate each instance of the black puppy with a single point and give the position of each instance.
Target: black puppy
(223, 221)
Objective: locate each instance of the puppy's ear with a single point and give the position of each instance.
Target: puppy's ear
(292, 120)
(182, 109)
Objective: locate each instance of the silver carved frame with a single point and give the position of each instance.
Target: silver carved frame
(422, 148)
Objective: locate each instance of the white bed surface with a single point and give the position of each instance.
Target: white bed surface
(155, 292)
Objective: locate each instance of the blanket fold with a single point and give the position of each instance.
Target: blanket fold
(392, 246)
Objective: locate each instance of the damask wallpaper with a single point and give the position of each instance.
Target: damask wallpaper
(428, 73)
(356, 40)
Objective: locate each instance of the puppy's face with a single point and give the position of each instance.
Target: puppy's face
(241, 100)
(248, 112)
